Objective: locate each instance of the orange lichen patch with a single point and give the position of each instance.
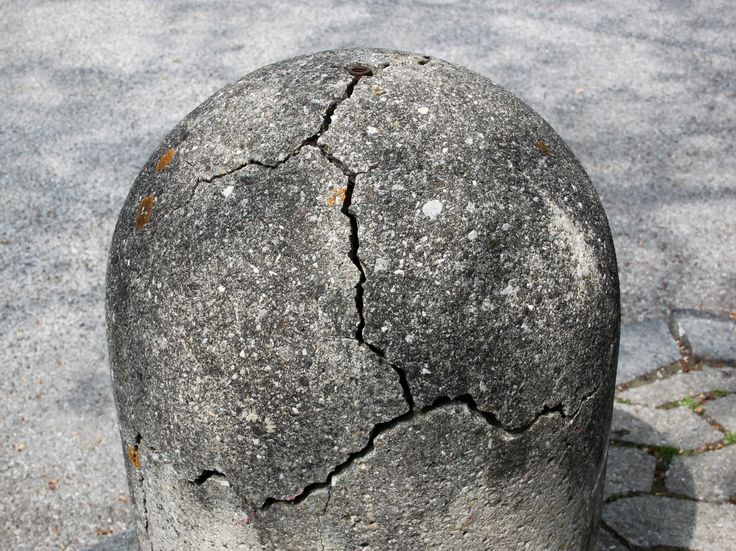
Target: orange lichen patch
(164, 161)
(144, 212)
(543, 147)
(337, 196)
(134, 456)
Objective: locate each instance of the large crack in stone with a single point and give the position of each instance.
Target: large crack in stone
(415, 413)
(409, 416)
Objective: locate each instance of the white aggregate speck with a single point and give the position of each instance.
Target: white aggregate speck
(381, 264)
(432, 208)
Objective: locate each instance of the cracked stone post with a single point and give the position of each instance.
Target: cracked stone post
(363, 298)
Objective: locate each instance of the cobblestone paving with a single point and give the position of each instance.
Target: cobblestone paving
(671, 478)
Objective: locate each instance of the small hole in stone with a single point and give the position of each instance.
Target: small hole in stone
(360, 70)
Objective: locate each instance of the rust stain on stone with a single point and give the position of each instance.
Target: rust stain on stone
(144, 212)
(543, 147)
(134, 456)
(337, 196)
(164, 161)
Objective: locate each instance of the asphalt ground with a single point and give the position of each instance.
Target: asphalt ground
(643, 92)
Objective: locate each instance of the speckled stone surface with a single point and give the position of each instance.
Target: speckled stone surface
(481, 239)
(327, 291)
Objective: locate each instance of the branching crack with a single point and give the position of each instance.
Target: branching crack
(385, 426)
(310, 141)
(351, 176)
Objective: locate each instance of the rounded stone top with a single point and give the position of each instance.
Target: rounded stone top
(337, 239)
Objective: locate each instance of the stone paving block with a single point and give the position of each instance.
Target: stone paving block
(710, 476)
(606, 542)
(125, 541)
(628, 470)
(723, 410)
(648, 521)
(681, 385)
(645, 346)
(678, 428)
(709, 337)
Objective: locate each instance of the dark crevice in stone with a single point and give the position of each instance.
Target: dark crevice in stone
(354, 239)
(327, 118)
(624, 495)
(321, 519)
(491, 418)
(141, 479)
(311, 488)
(206, 475)
(403, 379)
(353, 254)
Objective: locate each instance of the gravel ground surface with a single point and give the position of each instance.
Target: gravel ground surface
(642, 91)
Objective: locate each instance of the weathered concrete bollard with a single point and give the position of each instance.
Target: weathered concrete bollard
(363, 298)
